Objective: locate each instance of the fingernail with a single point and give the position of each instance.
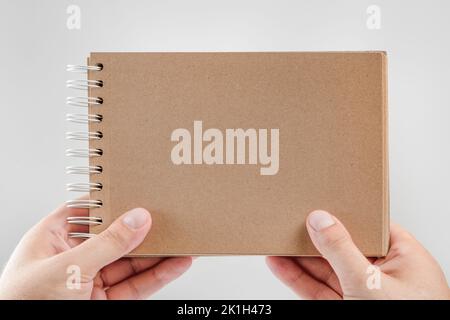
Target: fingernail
(320, 220)
(136, 218)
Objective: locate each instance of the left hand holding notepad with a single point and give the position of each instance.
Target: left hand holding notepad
(47, 264)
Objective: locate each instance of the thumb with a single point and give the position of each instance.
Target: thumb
(122, 236)
(334, 242)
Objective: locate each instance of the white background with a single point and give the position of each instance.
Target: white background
(36, 45)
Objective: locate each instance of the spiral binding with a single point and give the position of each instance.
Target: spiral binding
(83, 118)
(83, 68)
(84, 187)
(85, 220)
(81, 235)
(84, 153)
(84, 204)
(84, 101)
(84, 136)
(88, 170)
(84, 84)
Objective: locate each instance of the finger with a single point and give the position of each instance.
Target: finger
(400, 235)
(122, 236)
(74, 227)
(57, 222)
(402, 245)
(148, 282)
(57, 219)
(320, 269)
(73, 241)
(124, 268)
(292, 275)
(335, 244)
(63, 211)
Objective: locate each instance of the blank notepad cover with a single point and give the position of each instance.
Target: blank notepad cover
(330, 112)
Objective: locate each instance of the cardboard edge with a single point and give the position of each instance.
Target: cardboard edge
(238, 52)
(386, 197)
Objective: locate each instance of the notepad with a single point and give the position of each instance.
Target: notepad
(231, 151)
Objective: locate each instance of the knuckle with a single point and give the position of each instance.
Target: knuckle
(116, 238)
(134, 265)
(296, 279)
(320, 294)
(336, 242)
(159, 276)
(134, 291)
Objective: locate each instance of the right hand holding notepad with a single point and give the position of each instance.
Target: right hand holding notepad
(47, 264)
(407, 272)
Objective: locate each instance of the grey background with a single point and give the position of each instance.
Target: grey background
(36, 45)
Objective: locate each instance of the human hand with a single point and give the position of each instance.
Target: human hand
(39, 265)
(407, 272)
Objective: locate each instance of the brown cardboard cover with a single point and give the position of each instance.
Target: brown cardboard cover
(331, 112)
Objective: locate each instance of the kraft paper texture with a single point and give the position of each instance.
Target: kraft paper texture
(331, 112)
